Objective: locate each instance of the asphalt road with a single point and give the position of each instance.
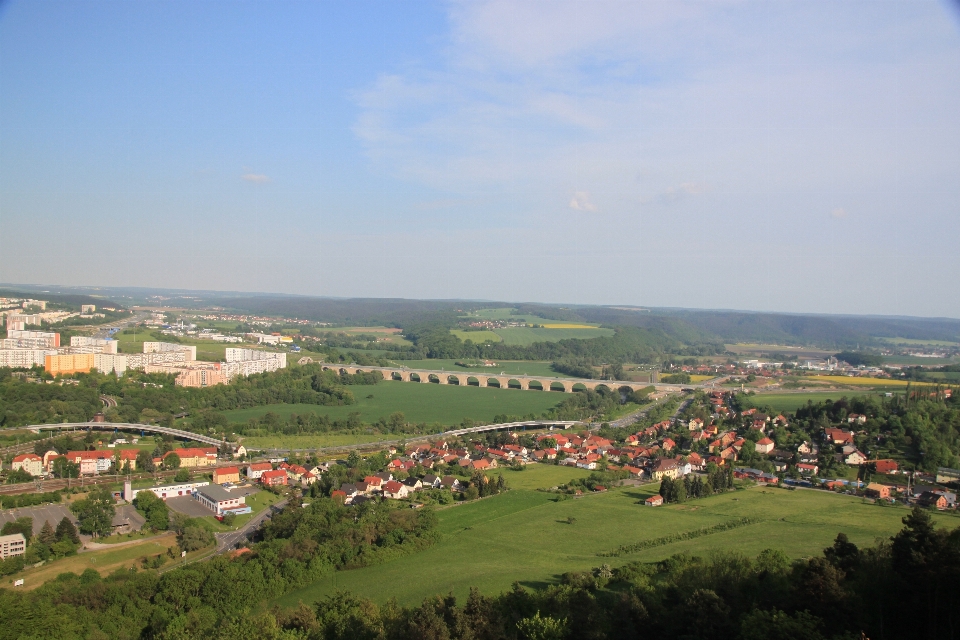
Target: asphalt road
(227, 541)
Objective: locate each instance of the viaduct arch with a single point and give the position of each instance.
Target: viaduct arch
(541, 383)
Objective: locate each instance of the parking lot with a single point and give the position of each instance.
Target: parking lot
(54, 513)
(188, 505)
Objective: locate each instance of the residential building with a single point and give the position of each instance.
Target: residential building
(69, 364)
(887, 467)
(876, 490)
(764, 445)
(653, 501)
(395, 490)
(256, 469)
(931, 499)
(196, 456)
(191, 374)
(226, 474)
(219, 500)
(141, 360)
(107, 346)
(665, 468)
(12, 545)
(24, 358)
(31, 463)
(33, 339)
(272, 478)
(168, 347)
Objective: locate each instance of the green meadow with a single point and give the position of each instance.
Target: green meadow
(525, 336)
(421, 402)
(476, 336)
(526, 536)
(785, 402)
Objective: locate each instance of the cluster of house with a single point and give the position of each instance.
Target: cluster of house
(284, 474)
(102, 461)
(386, 486)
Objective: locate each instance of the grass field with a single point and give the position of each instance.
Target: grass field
(524, 536)
(476, 336)
(430, 403)
(787, 402)
(206, 349)
(311, 442)
(540, 476)
(104, 561)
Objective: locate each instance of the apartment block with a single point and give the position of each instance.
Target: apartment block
(165, 347)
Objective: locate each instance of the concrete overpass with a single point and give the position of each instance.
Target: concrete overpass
(503, 380)
(125, 426)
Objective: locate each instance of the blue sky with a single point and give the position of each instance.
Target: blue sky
(754, 155)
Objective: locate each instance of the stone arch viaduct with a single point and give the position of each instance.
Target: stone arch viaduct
(503, 380)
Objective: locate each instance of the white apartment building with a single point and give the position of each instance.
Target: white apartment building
(245, 362)
(24, 358)
(32, 339)
(12, 545)
(106, 346)
(234, 354)
(141, 360)
(167, 347)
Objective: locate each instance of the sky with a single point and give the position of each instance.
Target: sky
(777, 156)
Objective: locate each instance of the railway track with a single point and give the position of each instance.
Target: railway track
(57, 484)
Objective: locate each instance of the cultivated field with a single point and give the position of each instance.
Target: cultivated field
(857, 381)
(785, 402)
(525, 536)
(430, 403)
(476, 336)
(524, 336)
(312, 441)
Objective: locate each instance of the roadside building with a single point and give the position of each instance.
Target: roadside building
(878, 491)
(219, 500)
(226, 474)
(931, 499)
(12, 545)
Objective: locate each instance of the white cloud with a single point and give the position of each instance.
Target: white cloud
(256, 178)
(581, 202)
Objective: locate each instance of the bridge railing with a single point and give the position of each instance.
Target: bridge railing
(126, 426)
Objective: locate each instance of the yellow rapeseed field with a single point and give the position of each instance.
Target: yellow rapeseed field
(857, 381)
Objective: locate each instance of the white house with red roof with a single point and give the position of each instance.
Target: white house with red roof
(764, 445)
(28, 462)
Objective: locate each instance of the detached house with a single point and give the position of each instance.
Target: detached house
(764, 446)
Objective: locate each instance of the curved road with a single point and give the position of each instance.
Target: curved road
(227, 541)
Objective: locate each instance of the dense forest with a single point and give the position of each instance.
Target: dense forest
(156, 398)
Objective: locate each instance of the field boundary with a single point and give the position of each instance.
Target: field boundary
(679, 537)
